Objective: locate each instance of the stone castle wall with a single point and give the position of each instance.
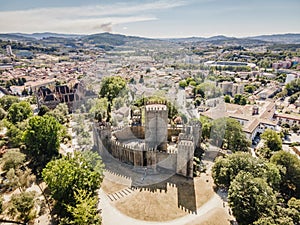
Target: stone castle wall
(180, 162)
(130, 133)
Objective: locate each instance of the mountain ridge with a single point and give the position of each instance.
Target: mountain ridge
(119, 39)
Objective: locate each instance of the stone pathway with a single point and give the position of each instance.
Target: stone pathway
(120, 194)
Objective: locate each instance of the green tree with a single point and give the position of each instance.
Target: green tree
(193, 83)
(98, 107)
(228, 132)
(43, 110)
(60, 113)
(2, 114)
(65, 176)
(294, 209)
(19, 178)
(22, 206)
(250, 198)
(118, 103)
(264, 152)
(15, 133)
(272, 140)
(12, 159)
(226, 169)
(250, 88)
(240, 99)
(293, 87)
(18, 112)
(227, 98)
(289, 166)
(206, 127)
(183, 83)
(209, 89)
(41, 139)
(111, 87)
(85, 211)
(7, 100)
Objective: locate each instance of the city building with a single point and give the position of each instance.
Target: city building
(253, 118)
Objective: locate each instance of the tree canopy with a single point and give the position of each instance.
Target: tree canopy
(85, 211)
(172, 110)
(7, 100)
(67, 175)
(18, 112)
(289, 166)
(22, 205)
(250, 198)
(208, 90)
(41, 139)
(272, 140)
(240, 99)
(228, 133)
(111, 87)
(226, 169)
(60, 113)
(12, 159)
(293, 87)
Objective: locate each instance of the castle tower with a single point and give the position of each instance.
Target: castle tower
(156, 127)
(195, 131)
(185, 155)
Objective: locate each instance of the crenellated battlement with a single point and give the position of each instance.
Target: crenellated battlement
(156, 107)
(186, 143)
(143, 146)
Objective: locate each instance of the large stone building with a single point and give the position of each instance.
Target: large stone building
(255, 119)
(149, 145)
(73, 95)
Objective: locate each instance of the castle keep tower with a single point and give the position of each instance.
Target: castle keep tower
(156, 126)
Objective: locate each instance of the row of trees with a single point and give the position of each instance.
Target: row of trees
(261, 190)
(238, 99)
(37, 140)
(256, 187)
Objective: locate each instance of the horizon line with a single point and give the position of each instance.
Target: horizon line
(171, 37)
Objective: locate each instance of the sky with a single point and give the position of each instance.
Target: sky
(155, 18)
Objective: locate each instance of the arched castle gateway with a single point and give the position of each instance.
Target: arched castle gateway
(153, 143)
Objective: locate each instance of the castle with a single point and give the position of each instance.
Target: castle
(152, 144)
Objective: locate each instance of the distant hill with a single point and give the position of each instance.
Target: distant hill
(184, 40)
(218, 40)
(109, 40)
(279, 38)
(48, 35)
(15, 37)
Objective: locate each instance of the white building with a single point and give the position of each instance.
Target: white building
(290, 77)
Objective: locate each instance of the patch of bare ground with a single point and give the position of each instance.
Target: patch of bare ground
(151, 206)
(217, 216)
(154, 205)
(203, 189)
(110, 187)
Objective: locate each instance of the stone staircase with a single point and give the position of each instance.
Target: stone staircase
(120, 194)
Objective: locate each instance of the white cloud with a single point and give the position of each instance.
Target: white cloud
(84, 19)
